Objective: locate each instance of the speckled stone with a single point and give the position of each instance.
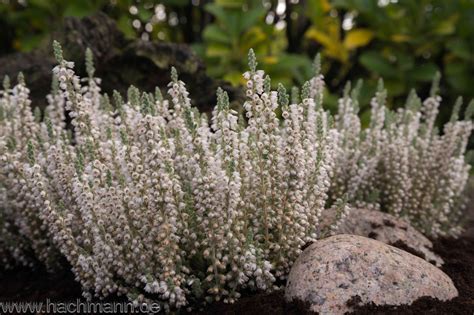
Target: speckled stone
(388, 229)
(333, 270)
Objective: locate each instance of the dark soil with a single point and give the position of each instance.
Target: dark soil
(25, 285)
(258, 304)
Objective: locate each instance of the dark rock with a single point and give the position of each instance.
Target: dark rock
(119, 62)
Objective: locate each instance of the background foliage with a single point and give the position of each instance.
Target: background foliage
(406, 42)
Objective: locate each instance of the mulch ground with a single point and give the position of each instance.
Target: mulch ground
(458, 254)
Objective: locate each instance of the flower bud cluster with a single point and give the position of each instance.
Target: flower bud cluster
(402, 164)
(24, 233)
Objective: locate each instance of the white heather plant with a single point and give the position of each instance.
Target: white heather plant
(147, 198)
(23, 230)
(402, 164)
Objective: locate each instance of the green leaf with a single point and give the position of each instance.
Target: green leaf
(405, 61)
(447, 26)
(144, 14)
(424, 72)
(316, 10)
(358, 38)
(217, 50)
(459, 77)
(178, 3)
(251, 17)
(43, 4)
(218, 11)
(375, 62)
(395, 87)
(199, 49)
(290, 66)
(231, 3)
(79, 8)
(234, 77)
(460, 49)
(125, 25)
(214, 33)
(253, 38)
(229, 19)
(30, 42)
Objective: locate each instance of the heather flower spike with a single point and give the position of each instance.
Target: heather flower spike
(90, 63)
(295, 95)
(222, 99)
(456, 110)
(31, 153)
(118, 100)
(283, 98)
(252, 60)
(317, 65)
(267, 84)
(6, 83)
(58, 52)
(158, 95)
(305, 92)
(469, 113)
(133, 96)
(21, 78)
(174, 74)
(435, 84)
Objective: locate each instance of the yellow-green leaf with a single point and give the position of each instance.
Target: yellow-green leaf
(235, 78)
(217, 50)
(270, 60)
(447, 26)
(358, 38)
(253, 38)
(333, 48)
(320, 37)
(320, 5)
(230, 3)
(325, 5)
(400, 38)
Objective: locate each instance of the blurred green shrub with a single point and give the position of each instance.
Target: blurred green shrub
(243, 24)
(28, 22)
(404, 41)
